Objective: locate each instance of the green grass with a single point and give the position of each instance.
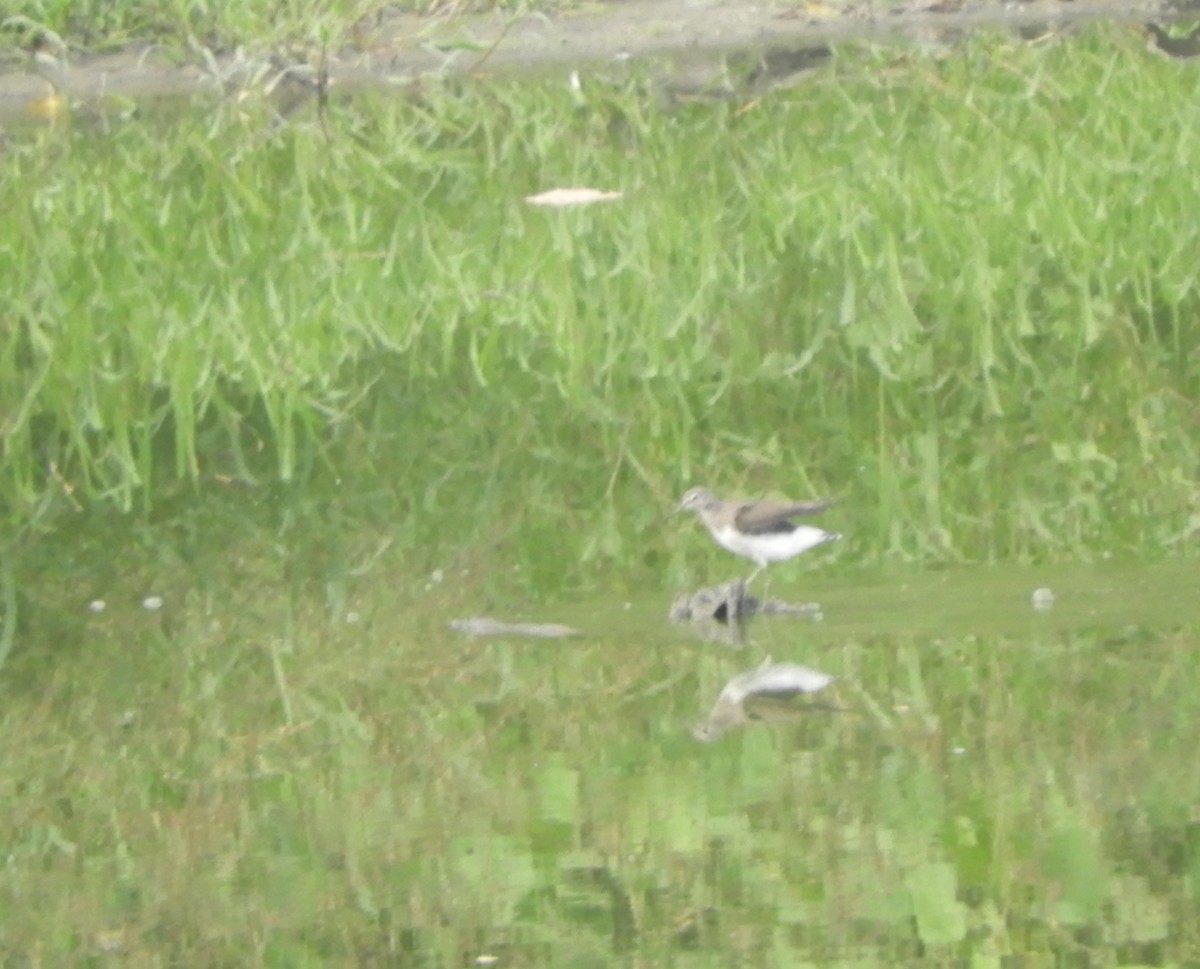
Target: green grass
(97, 25)
(951, 289)
(277, 377)
(182, 25)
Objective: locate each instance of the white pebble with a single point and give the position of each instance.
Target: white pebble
(152, 603)
(1042, 599)
(97, 605)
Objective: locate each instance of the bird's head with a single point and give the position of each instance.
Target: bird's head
(698, 499)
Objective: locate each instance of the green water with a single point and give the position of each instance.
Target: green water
(271, 426)
(281, 769)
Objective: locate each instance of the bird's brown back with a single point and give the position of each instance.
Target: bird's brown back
(760, 517)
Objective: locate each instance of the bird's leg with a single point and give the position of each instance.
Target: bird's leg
(754, 574)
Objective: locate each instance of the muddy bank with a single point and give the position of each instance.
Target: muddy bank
(686, 37)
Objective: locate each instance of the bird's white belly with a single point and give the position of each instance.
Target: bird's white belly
(777, 547)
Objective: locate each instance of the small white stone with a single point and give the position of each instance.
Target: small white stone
(1042, 599)
(352, 617)
(437, 576)
(109, 941)
(97, 605)
(152, 603)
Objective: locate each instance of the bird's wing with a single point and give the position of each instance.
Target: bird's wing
(776, 708)
(785, 679)
(766, 516)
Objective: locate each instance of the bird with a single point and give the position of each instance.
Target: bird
(762, 531)
(771, 681)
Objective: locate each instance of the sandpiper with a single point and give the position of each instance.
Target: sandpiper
(762, 531)
(771, 681)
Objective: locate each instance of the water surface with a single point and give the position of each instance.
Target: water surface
(346, 779)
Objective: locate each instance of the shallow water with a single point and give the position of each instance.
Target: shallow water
(982, 600)
(1001, 781)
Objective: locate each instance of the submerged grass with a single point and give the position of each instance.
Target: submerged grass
(257, 780)
(953, 289)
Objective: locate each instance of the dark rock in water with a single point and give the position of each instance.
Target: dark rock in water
(730, 603)
(724, 603)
